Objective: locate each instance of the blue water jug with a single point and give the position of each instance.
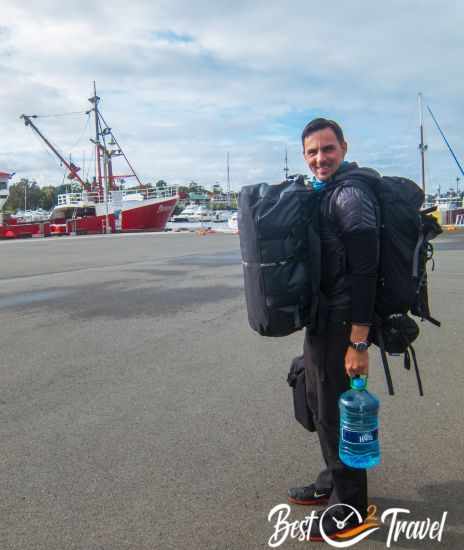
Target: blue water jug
(359, 437)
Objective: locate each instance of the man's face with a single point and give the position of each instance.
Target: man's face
(323, 153)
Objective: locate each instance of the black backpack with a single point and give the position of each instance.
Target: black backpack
(279, 241)
(405, 249)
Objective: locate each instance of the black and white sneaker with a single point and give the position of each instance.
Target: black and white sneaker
(308, 495)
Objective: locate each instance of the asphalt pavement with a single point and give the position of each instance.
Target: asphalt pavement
(139, 411)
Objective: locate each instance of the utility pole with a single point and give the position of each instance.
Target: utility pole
(422, 146)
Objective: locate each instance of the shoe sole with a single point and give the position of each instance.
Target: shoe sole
(322, 500)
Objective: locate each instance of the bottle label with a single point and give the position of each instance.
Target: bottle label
(351, 436)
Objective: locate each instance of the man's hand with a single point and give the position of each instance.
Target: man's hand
(356, 362)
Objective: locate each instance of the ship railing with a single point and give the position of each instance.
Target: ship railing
(69, 198)
(149, 192)
(132, 193)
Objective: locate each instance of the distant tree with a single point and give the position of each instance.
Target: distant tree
(183, 193)
(23, 195)
(34, 196)
(147, 185)
(63, 188)
(194, 187)
(217, 189)
(15, 198)
(28, 195)
(161, 184)
(48, 197)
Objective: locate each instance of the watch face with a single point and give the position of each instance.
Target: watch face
(361, 346)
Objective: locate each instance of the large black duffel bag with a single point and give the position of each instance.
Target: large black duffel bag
(280, 245)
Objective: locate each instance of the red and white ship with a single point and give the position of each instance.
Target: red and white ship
(121, 211)
(106, 204)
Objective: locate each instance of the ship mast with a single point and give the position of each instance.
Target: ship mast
(286, 170)
(101, 150)
(228, 182)
(422, 146)
(94, 100)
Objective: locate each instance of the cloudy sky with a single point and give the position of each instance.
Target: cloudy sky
(184, 82)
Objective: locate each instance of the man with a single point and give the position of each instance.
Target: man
(349, 230)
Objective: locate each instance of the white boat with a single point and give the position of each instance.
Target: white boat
(221, 215)
(232, 222)
(194, 213)
(31, 216)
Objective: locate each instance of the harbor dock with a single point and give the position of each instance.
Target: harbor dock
(139, 411)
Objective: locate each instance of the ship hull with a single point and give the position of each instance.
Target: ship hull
(129, 216)
(150, 215)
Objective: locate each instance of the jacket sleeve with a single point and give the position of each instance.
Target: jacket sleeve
(356, 214)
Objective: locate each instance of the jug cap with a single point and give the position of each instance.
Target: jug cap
(359, 383)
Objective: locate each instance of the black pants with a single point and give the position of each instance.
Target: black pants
(326, 380)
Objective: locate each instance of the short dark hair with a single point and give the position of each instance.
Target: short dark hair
(320, 124)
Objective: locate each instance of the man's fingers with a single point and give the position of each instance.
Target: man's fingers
(354, 370)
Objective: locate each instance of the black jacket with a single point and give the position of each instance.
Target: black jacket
(349, 229)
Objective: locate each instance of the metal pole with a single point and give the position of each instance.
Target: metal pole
(286, 165)
(105, 190)
(228, 182)
(422, 146)
(95, 100)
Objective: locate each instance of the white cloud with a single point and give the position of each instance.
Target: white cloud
(184, 82)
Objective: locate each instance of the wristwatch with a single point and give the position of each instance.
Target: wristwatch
(360, 346)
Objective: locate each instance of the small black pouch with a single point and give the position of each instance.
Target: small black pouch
(297, 381)
(394, 335)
